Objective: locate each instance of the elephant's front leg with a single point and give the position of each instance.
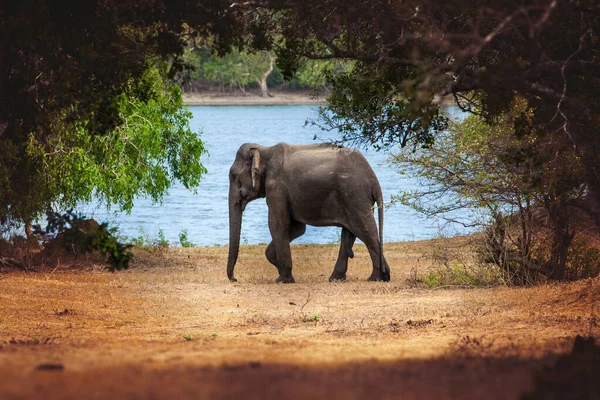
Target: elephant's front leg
(341, 266)
(296, 230)
(279, 226)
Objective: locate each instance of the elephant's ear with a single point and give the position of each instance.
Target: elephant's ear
(255, 166)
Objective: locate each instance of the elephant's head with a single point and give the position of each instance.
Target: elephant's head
(246, 183)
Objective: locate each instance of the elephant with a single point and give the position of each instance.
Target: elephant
(314, 184)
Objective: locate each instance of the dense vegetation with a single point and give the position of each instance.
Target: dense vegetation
(86, 107)
(240, 71)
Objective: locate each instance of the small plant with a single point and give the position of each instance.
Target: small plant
(189, 338)
(213, 335)
(142, 240)
(116, 254)
(338, 238)
(310, 318)
(162, 241)
(184, 239)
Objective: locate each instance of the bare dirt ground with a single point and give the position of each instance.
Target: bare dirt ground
(173, 327)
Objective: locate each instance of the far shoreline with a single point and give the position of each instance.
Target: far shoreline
(300, 98)
(223, 99)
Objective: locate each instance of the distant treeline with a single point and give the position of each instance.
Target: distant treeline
(241, 71)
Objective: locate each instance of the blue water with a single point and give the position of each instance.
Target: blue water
(205, 215)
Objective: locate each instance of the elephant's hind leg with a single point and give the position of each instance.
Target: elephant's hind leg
(296, 230)
(366, 230)
(341, 266)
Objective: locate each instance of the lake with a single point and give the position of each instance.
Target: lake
(205, 215)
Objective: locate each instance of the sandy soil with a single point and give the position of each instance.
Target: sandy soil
(252, 99)
(173, 327)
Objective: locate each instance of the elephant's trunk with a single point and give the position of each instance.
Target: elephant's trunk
(235, 226)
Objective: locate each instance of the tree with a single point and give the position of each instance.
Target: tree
(413, 53)
(84, 110)
(521, 190)
(258, 66)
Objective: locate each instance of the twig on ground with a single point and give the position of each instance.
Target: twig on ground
(305, 303)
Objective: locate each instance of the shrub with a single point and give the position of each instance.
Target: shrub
(77, 234)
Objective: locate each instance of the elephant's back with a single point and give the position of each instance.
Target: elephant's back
(327, 167)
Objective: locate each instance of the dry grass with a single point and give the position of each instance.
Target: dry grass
(173, 326)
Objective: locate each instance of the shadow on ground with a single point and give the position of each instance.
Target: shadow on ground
(462, 377)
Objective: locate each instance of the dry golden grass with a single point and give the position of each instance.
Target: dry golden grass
(173, 327)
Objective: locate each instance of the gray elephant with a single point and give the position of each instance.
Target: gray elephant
(319, 185)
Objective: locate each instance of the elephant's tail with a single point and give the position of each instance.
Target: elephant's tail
(385, 271)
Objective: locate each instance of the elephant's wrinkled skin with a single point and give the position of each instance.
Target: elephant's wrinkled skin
(319, 185)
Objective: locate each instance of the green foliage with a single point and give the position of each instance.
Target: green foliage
(116, 254)
(225, 71)
(184, 239)
(142, 240)
(314, 73)
(162, 241)
(365, 110)
(84, 111)
(151, 148)
(241, 69)
(76, 232)
(234, 70)
(145, 241)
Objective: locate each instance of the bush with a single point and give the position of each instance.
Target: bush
(510, 179)
(583, 259)
(80, 235)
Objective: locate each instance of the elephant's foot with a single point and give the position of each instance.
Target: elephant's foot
(376, 276)
(285, 279)
(337, 277)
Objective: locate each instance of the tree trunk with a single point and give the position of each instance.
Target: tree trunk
(28, 230)
(562, 239)
(262, 81)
